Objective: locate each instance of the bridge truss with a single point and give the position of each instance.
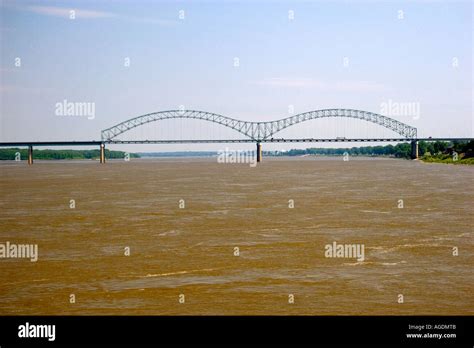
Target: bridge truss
(259, 131)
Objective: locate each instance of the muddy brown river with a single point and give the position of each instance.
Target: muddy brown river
(193, 236)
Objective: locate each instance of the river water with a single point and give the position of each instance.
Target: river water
(193, 236)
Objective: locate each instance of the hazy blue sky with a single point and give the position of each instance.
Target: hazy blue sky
(403, 52)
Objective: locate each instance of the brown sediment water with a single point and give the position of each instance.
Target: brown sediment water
(192, 251)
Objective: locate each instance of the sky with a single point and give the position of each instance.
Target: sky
(250, 60)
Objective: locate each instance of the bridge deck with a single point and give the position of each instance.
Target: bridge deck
(189, 141)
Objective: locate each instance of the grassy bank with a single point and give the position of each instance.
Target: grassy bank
(447, 159)
(22, 154)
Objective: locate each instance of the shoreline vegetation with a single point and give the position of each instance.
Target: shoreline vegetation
(47, 154)
(447, 159)
(429, 152)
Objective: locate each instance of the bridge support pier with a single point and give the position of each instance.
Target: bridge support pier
(102, 153)
(259, 152)
(30, 154)
(414, 149)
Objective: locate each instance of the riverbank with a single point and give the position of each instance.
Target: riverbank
(62, 154)
(446, 159)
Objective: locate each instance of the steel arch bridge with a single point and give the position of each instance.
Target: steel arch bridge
(259, 131)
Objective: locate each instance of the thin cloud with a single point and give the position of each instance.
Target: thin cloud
(8, 70)
(359, 86)
(63, 12)
(346, 86)
(22, 89)
(66, 12)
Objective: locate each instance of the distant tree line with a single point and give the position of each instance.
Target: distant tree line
(178, 154)
(11, 154)
(401, 150)
(427, 149)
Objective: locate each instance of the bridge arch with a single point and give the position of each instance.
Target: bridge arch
(112, 132)
(260, 131)
(403, 129)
